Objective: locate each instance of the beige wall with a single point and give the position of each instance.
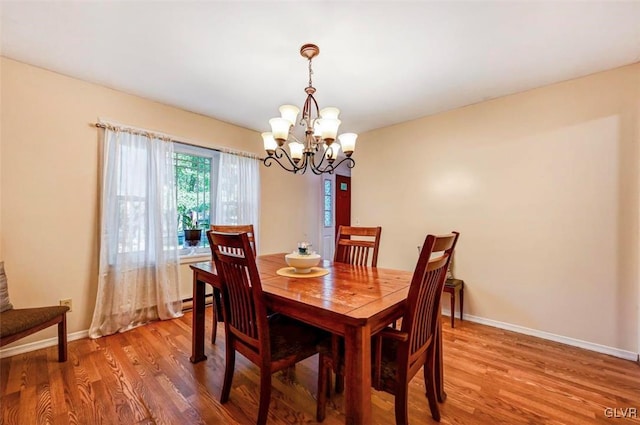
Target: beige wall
(49, 183)
(637, 137)
(1, 256)
(543, 187)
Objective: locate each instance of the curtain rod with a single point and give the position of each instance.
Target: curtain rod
(169, 138)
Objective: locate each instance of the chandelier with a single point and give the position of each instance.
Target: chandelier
(318, 150)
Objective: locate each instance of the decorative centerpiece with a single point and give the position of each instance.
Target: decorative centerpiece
(302, 262)
(303, 259)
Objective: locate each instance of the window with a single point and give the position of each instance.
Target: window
(195, 169)
(213, 187)
(328, 201)
(132, 200)
(131, 185)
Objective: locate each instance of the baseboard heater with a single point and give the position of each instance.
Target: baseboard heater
(187, 303)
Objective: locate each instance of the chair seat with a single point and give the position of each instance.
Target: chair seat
(453, 283)
(18, 320)
(290, 337)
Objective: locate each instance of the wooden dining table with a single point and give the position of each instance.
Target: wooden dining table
(352, 301)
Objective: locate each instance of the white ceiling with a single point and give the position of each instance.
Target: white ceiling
(381, 62)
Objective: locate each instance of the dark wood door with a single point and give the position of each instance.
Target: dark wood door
(343, 201)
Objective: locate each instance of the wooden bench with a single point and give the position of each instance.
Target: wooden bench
(17, 323)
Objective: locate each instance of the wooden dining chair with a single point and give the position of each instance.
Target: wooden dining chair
(272, 342)
(357, 251)
(238, 228)
(228, 228)
(398, 355)
(358, 246)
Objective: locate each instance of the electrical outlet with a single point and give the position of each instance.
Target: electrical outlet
(68, 303)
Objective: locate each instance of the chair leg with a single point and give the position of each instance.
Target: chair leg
(337, 348)
(230, 361)
(216, 309)
(214, 323)
(402, 411)
(62, 339)
(265, 395)
(324, 385)
(453, 308)
(430, 384)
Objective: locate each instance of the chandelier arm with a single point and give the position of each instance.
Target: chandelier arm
(283, 152)
(307, 110)
(304, 164)
(316, 105)
(280, 153)
(318, 165)
(319, 172)
(329, 168)
(270, 159)
(350, 162)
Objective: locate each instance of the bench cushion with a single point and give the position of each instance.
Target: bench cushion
(5, 304)
(21, 319)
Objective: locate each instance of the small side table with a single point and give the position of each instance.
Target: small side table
(452, 286)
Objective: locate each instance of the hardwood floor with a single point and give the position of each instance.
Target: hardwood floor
(144, 377)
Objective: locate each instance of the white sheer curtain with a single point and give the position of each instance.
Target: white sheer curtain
(238, 191)
(139, 264)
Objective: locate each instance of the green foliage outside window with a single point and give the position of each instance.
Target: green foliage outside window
(193, 192)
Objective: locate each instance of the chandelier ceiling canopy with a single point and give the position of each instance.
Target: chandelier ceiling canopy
(318, 150)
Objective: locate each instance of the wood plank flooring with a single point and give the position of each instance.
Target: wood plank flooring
(144, 377)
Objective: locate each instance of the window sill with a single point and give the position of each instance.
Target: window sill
(195, 258)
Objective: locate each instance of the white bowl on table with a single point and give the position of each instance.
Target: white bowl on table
(302, 263)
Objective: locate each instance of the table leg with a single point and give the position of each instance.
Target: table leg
(197, 324)
(358, 375)
(461, 300)
(439, 372)
(453, 307)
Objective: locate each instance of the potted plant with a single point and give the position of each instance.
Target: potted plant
(192, 233)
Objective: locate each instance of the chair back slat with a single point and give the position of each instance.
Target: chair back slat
(243, 309)
(421, 316)
(357, 251)
(238, 228)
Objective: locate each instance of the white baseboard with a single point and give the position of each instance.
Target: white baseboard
(36, 345)
(616, 352)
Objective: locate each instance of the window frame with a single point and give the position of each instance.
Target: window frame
(214, 156)
(326, 196)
